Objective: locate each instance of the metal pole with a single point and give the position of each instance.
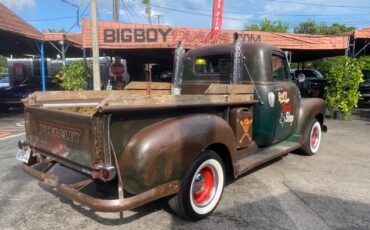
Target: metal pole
(116, 10)
(148, 84)
(95, 46)
(85, 65)
(42, 67)
(159, 18)
(63, 53)
(84, 55)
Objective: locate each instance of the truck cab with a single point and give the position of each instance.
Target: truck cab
(265, 67)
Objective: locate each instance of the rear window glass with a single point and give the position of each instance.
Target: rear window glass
(213, 64)
(309, 73)
(279, 70)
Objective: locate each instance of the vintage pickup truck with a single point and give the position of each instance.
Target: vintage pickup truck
(233, 108)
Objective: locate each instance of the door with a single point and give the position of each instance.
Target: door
(287, 98)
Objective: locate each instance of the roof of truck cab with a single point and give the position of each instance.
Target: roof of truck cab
(249, 47)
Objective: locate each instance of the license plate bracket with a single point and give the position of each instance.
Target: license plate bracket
(24, 155)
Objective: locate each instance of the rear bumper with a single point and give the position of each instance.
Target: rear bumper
(72, 191)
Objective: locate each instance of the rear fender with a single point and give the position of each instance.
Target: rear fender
(165, 150)
(309, 108)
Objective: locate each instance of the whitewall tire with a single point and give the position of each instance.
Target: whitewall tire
(201, 189)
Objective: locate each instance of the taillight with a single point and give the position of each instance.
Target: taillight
(104, 174)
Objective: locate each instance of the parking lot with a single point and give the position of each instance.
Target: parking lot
(330, 190)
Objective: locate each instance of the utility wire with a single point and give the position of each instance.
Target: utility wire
(78, 10)
(133, 8)
(319, 4)
(259, 14)
(132, 14)
(97, 11)
(239, 19)
(225, 11)
(84, 12)
(50, 19)
(123, 5)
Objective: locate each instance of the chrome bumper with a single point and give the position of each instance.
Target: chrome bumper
(72, 191)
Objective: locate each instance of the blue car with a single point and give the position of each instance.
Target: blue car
(11, 96)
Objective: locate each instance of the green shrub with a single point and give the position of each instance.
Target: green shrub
(366, 62)
(345, 75)
(3, 65)
(73, 77)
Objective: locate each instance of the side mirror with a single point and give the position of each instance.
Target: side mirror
(301, 77)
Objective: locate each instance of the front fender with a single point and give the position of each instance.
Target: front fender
(164, 151)
(309, 108)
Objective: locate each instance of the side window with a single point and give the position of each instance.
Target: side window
(213, 64)
(279, 68)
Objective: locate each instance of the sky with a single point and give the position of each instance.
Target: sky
(57, 14)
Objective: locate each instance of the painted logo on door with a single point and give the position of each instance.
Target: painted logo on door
(246, 124)
(286, 109)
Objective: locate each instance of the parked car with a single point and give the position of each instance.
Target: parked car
(11, 96)
(311, 83)
(365, 86)
(4, 81)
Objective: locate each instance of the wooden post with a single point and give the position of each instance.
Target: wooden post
(149, 83)
(95, 46)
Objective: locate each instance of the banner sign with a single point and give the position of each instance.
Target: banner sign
(218, 7)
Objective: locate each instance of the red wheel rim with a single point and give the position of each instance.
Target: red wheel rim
(203, 185)
(314, 137)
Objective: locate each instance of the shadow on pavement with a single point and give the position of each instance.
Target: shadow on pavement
(362, 112)
(108, 191)
(266, 212)
(99, 190)
(269, 213)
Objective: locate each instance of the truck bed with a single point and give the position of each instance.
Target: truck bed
(139, 96)
(73, 127)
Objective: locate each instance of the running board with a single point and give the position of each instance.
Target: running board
(265, 155)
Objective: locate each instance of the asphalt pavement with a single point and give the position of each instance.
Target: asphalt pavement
(330, 190)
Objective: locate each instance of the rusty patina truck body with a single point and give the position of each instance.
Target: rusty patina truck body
(154, 144)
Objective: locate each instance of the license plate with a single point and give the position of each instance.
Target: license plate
(24, 155)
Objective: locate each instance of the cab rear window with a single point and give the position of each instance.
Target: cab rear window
(213, 64)
(279, 68)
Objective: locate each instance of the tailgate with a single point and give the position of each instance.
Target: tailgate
(74, 138)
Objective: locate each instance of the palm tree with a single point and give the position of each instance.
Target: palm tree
(148, 10)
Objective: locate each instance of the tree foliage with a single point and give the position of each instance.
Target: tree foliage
(305, 27)
(73, 77)
(312, 27)
(268, 26)
(345, 75)
(366, 62)
(3, 65)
